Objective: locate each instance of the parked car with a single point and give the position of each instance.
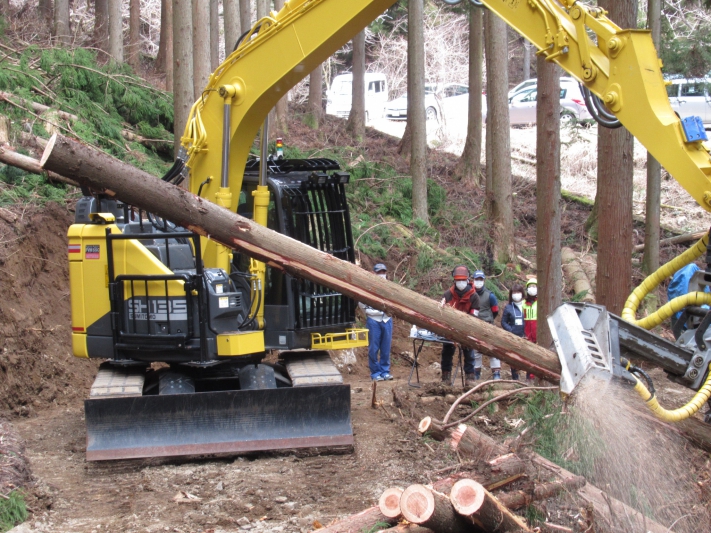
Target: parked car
(340, 95)
(690, 97)
(450, 101)
(533, 82)
(522, 106)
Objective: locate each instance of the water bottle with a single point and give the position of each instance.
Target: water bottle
(413, 331)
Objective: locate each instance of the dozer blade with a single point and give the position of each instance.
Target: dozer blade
(218, 422)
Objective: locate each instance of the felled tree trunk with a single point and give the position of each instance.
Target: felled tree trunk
(105, 174)
(363, 521)
(472, 500)
(521, 498)
(29, 164)
(431, 509)
(389, 502)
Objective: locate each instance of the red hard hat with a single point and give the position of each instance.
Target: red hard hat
(460, 272)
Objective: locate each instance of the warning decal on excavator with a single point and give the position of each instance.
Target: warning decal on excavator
(92, 251)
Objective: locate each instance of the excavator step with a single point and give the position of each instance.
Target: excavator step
(312, 369)
(224, 422)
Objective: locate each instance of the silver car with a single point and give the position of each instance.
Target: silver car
(691, 97)
(522, 106)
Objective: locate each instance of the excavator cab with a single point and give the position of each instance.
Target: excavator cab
(186, 370)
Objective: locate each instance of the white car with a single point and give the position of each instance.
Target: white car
(533, 83)
(451, 102)
(522, 106)
(340, 95)
(691, 97)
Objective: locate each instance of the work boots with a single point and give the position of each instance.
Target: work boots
(470, 380)
(446, 377)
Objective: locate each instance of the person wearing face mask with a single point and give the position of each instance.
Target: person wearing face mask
(380, 335)
(488, 311)
(461, 296)
(513, 318)
(530, 311)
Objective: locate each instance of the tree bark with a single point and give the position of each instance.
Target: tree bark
(431, 509)
(389, 502)
(245, 15)
(548, 201)
(10, 157)
(183, 90)
(101, 172)
(201, 45)
(652, 219)
(45, 12)
(521, 498)
(164, 61)
(501, 200)
(61, 22)
(527, 60)
(262, 10)
(363, 521)
(115, 31)
(475, 445)
(472, 500)
(315, 97)
(468, 168)
(615, 172)
(134, 34)
(357, 116)
(214, 35)
(416, 119)
(101, 23)
(230, 15)
(576, 276)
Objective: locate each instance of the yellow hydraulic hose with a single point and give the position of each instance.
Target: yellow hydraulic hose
(653, 280)
(676, 415)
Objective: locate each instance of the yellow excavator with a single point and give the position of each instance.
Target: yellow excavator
(184, 324)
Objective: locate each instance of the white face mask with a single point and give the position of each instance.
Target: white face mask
(517, 297)
(478, 283)
(384, 276)
(460, 285)
(533, 290)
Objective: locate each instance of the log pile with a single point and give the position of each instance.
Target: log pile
(576, 275)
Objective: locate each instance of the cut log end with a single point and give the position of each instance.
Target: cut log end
(417, 504)
(424, 425)
(48, 149)
(467, 496)
(389, 502)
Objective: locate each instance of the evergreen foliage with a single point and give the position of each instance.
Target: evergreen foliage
(107, 99)
(12, 511)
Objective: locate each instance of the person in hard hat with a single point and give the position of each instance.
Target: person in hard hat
(512, 319)
(488, 311)
(462, 296)
(380, 335)
(530, 311)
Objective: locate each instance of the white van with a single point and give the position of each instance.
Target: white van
(340, 95)
(691, 97)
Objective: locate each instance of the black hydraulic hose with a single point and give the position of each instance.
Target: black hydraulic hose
(598, 111)
(475, 3)
(241, 38)
(638, 371)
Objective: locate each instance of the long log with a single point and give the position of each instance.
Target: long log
(521, 498)
(575, 274)
(103, 173)
(431, 509)
(476, 503)
(363, 521)
(679, 239)
(10, 157)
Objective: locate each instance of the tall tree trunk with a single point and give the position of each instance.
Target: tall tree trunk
(214, 35)
(468, 168)
(650, 260)
(134, 34)
(101, 23)
(245, 15)
(45, 11)
(201, 45)
(356, 118)
(166, 42)
(526, 59)
(115, 31)
(262, 9)
(183, 91)
(548, 260)
(488, 181)
(315, 96)
(501, 218)
(61, 22)
(315, 93)
(230, 15)
(615, 168)
(416, 107)
(5, 8)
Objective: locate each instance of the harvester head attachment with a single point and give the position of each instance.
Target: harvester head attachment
(582, 341)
